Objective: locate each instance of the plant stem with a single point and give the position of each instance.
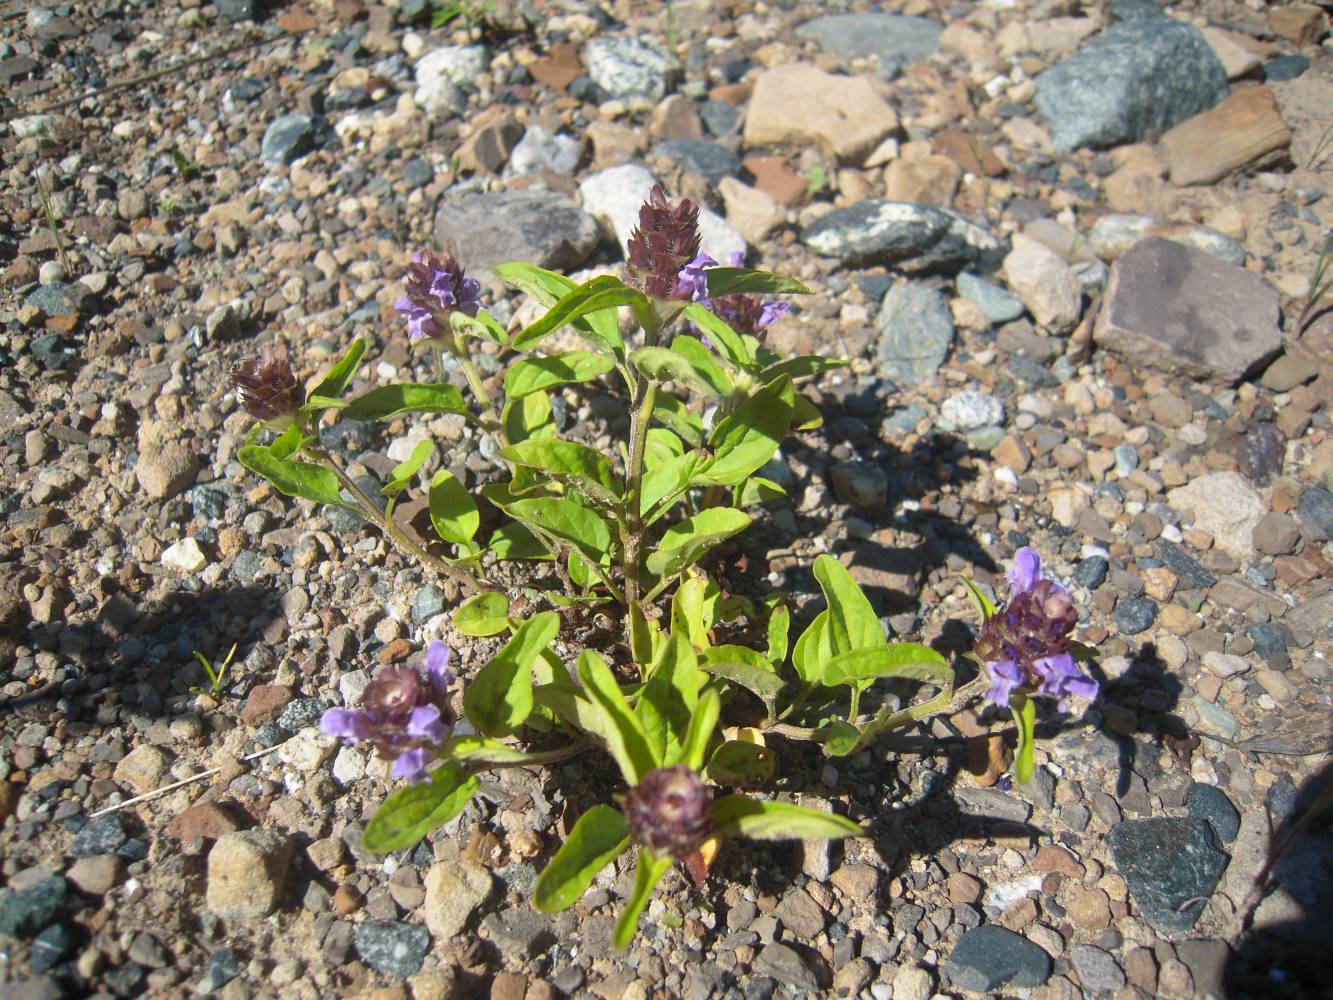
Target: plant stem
(645, 392)
(489, 418)
(545, 757)
(396, 536)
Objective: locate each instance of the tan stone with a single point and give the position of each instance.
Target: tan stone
(614, 144)
(1231, 51)
(1177, 620)
(246, 873)
(1012, 454)
(1243, 129)
(927, 180)
(1046, 284)
(799, 103)
(751, 212)
(1301, 23)
(675, 118)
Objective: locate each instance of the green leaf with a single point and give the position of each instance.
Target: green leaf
(404, 472)
(748, 669)
(407, 397)
(840, 738)
(527, 417)
(757, 490)
(853, 623)
(602, 292)
(649, 873)
(662, 364)
(666, 701)
(908, 660)
(453, 512)
(296, 479)
(813, 649)
(727, 341)
(598, 837)
(410, 813)
(742, 816)
(805, 416)
(779, 627)
(686, 542)
(802, 367)
(665, 482)
(289, 442)
(984, 605)
(568, 522)
(499, 698)
(480, 750)
(644, 637)
(700, 731)
(569, 462)
(516, 541)
(694, 610)
(739, 762)
(618, 725)
(740, 280)
(602, 329)
(528, 375)
(705, 366)
(340, 376)
(482, 614)
(1025, 714)
(671, 413)
(483, 325)
(746, 439)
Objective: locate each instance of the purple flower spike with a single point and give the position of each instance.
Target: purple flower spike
(744, 313)
(404, 714)
(436, 286)
(1025, 645)
(666, 238)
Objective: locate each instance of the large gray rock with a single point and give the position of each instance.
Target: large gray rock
(1185, 311)
(1142, 75)
(1171, 864)
(893, 39)
(916, 330)
(913, 238)
(528, 224)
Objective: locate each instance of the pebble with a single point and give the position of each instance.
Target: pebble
(1224, 665)
(1091, 572)
(454, 891)
(185, 555)
(392, 947)
(969, 410)
(26, 911)
(1098, 971)
(96, 875)
(627, 68)
(1134, 614)
(1209, 803)
(915, 333)
(1047, 285)
(786, 965)
(247, 873)
(532, 224)
(912, 982)
(998, 304)
(144, 768)
(892, 39)
(862, 485)
(287, 138)
(914, 238)
(104, 835)
(989, 956)
(1168, 862)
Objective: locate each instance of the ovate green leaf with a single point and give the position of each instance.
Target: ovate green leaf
(595, 841)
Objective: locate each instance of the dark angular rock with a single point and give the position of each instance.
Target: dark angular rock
(287, 137)
(428, 603)
(707, 159)
(1263, 449)
(236, 10)
(392, 947)
(1142, 75)
(990, 956)
(1184, 311)
(914, 238)
(719, 117)
(530, 224)
(1134, 614)
(300, 713)
(1168, 862)
(1209, 803)
(786, 965)
(25, 912)
(103, 835)
(221, 969)
(1269, 642)
(1315, 512)
(1180, 563)
(58, 298)
(1091, 572)
(1285, 67)
(50, 947)
(916, 332)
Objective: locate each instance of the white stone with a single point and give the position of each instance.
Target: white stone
(1224, 664)
(185, 555)
(1046, 284)
(1225, 505)
(351, 683)
(614, 196)
(970, 409)
(307, 750)
(349, 766)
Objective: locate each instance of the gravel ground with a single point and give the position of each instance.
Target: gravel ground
(1074, 314)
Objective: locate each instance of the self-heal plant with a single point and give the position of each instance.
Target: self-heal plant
(689, 697)
(1027, 650)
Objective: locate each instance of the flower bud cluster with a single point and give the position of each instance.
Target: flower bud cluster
(404, 715)
(665, 242)
(435, 287)
(265, 386)
(670, 811)
(1025, 645)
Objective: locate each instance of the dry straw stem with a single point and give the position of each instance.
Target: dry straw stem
(179, 784)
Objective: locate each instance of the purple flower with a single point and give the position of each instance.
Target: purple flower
(265, 386)
(404, 714)
(1025, 645)
(744, 313)
(436, 286)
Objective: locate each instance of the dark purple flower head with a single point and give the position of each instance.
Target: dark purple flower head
(1025, 645)
(436, 286)
(744, 313)
(665, 242)
(404, 714)
(670, 811)
(265, 386)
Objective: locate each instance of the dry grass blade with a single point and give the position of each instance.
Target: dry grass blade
(45, 198)
(1321, 284)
